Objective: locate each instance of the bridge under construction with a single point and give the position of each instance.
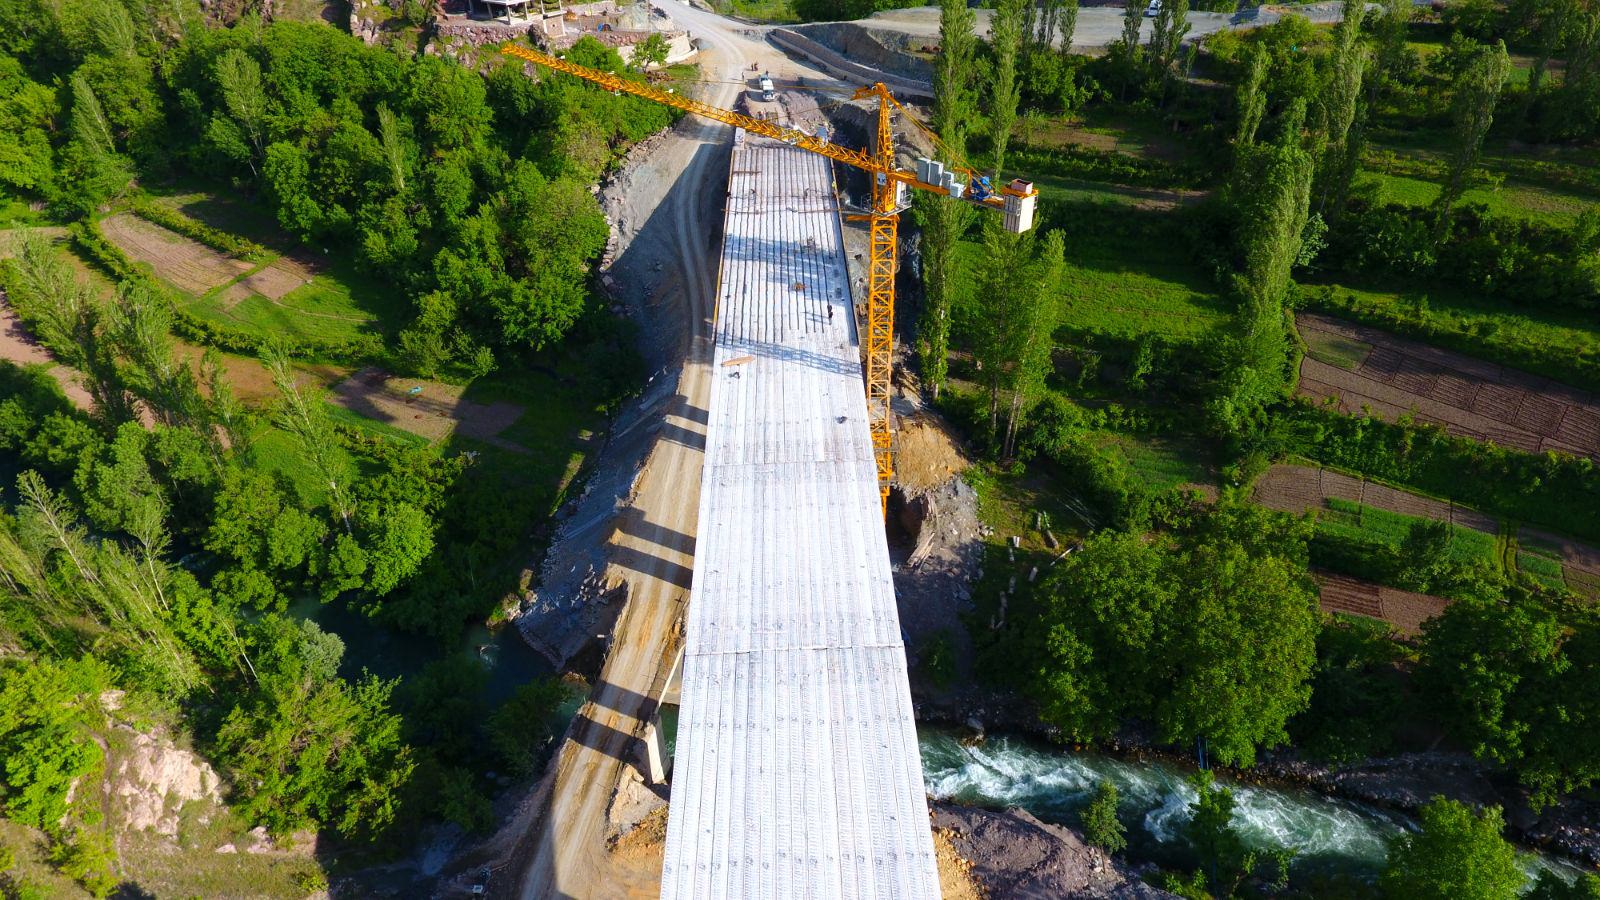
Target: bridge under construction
(797, 771)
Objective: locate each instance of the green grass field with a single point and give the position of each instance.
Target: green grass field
(1544, 569)
(1123, 287)
(277, 451)
(1344, 518)
(1159, 462)
(1336, 350)
(1562, 346)
(1510, 199)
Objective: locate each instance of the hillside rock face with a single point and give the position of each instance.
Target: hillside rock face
(153, 779)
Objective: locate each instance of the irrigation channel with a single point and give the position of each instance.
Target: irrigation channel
(1333, 838)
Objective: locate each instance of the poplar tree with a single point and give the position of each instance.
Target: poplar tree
(1005, 34)
(1035, 322)
(391, 136)
(1126, 50)
(245, 98)
(1250, 99)
(1477, 90)
(1167, 32)
(96, 171)
(1342, 111)
(944, 219)
(1390, 30)
(1067, 24)
(304, 414)
(1272, 187)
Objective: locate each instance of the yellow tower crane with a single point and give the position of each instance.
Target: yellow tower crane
(889, 182)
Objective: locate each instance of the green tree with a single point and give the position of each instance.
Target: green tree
(308, 748)
(1475, 93)
(1250, 98)
(1271, 189)
(1005, 34)
(392, 135)
(1036, 325)
(1101, 827)
(1343, 111)
(1211, 832)
(304, 414)
(1103, 624)
(1242, 651)
(1456, 855)
(953, 76)
(244, 97)
(651, 52)
(1551, 886)
(48, 713)
(1393, 58)
(520, 727)
(1167, 32)
(943, 219)
(97, 172)
(1124, 52)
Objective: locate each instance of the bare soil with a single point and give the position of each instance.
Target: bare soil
(1393, 377)
(190, 265)
(434, 412)
(928, 454)
(19, 346)
(282, 277)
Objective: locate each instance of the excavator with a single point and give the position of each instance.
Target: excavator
(890, 187)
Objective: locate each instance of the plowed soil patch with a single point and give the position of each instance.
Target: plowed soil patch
(1465, 396)
(191, 266)
(1405, 610)
(434, 412)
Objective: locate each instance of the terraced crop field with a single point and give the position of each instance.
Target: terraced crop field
(1364, 369)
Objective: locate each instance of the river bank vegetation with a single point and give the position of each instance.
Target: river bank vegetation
(1179, 611)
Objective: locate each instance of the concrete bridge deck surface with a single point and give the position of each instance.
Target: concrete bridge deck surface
(797, 771)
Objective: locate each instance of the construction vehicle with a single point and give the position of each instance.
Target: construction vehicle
(766, 88)
(1016, 200)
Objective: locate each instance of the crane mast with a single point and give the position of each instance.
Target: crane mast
(889, 183)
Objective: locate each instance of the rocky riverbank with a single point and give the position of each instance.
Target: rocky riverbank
(1014, 855)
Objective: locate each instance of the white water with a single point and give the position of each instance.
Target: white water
(1329, 835)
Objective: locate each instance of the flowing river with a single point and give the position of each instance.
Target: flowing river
(1333, 838)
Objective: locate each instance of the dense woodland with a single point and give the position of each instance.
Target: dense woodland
(155, 545)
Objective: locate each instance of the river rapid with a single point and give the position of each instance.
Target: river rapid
(1332, 838)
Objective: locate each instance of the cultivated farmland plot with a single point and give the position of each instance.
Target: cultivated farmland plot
(1362, 368)
(1301, 489)
(1405, 610)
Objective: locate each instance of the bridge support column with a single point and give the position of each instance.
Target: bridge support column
(658, 764)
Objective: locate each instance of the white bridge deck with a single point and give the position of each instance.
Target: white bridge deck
(797, 772)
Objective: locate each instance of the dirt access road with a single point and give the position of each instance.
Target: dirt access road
(676, 202)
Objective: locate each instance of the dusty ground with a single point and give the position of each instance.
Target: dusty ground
(435, 412)
(929, 454)
(20, 347)
(1362, 368)
(190, 265)
(1011, 854)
